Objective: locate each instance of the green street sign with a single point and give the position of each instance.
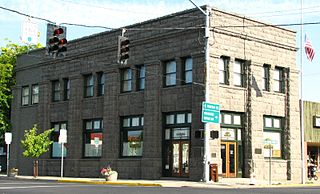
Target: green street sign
(210, 113)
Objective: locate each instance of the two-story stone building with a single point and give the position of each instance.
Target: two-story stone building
(141, 118)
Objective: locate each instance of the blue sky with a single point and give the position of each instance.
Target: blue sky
(114, 14)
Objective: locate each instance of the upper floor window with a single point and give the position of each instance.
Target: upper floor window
(278, 80)
(93, 137)
(266, 77)
(238, 73)
(56, 89)
(101, 80)
(224, 70)
(187, 67)
(25, 95)
(126, 80)
(132, 136)
(141, 77)
(56, 146)
(66, 89)
(35, 94)
(170, 73)
(88, 85)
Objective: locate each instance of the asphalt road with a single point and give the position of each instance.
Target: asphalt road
(14, 186)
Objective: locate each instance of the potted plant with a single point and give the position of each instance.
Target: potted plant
(109, 174)
(13, 172)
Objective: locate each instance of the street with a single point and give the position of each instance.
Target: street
(14, 186)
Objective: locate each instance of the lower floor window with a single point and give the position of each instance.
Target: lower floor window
(132, 136)
(56, 146)
(93, 138)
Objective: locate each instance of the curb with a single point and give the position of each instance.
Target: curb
(112, 183)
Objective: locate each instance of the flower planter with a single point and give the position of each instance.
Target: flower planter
(112, 177)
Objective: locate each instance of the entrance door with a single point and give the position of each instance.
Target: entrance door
(180, 158)
(228, 156)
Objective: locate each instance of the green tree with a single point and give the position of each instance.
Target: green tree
(8, 59)
(36, 144)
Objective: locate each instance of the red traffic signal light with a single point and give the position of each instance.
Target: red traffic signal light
(58, 32)
(56, 40)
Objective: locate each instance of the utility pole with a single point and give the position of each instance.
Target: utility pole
(207, 156)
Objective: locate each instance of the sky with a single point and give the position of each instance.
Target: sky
(115, 14)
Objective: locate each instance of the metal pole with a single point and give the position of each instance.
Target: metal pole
(62, 145)
(8, 155)
(301, 100)
(270, 156)
(206, 157)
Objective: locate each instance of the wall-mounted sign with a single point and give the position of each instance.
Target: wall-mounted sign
(228, 134)
(316, 121)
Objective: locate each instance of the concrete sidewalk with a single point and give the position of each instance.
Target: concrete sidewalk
(223, 182)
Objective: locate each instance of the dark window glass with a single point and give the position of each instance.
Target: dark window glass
(88, 85)
(35, 94)
(187, 76)
(170, 74)
(126, 80)
(141, 77)
(25, 95)
(101, 80)
(224, 70)
(56, 89)
(266, 77)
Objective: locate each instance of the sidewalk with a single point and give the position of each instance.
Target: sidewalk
(223, 182)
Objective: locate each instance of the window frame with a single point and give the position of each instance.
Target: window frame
(87, 133)
(141, 77)
(131, 128)
(126, 78)
(170, 74)
(101, 83)
(88, 85)
(187, 71)
(56, 90)
(25, 97)
(225, 71)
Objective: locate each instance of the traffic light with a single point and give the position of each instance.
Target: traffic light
(56, 40)
(123, 49)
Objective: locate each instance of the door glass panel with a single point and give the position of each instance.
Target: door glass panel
(175, 156)
(185, 158)
(232, 158)
(223, 157)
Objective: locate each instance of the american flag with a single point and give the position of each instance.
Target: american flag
(309, 49)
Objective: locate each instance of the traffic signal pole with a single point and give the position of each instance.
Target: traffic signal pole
(207, 155)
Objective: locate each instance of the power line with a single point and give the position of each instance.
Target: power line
(166, 28)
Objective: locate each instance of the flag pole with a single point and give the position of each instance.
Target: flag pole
(301, 98)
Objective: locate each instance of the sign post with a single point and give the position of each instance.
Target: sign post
(62, 141)
(210, 114)
(8, 140)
